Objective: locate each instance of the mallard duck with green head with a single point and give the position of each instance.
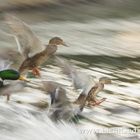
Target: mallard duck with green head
(11, 75)
(31, 51)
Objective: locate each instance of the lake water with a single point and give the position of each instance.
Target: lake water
(102, 42)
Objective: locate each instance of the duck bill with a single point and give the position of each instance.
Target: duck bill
(22, 78)
(64, 44)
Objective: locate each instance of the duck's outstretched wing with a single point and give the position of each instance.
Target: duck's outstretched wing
(60, 107)
(28, 43)
(56, 92)
(4, 64)
(80, 80)
(12, 56)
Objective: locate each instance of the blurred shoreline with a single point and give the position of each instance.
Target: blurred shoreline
(73, 9)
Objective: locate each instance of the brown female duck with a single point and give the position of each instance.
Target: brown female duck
(82, 81)
(33, 52)
(32, 63)
(90, 98)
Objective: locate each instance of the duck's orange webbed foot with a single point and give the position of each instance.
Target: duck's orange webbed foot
(36, 72)
(96, 102)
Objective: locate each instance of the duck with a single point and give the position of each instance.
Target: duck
(38, 59)
(90, 99)
(12, 75)
(31, 52)
(85, 82)
(61, 108)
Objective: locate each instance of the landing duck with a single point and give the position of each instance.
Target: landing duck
(90, 99)
(31, 53)
(85, 82)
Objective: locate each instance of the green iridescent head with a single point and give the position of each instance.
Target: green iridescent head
(10, 74)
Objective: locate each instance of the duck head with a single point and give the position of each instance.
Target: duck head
(105, 80)
(10, 74)
(57, 41)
